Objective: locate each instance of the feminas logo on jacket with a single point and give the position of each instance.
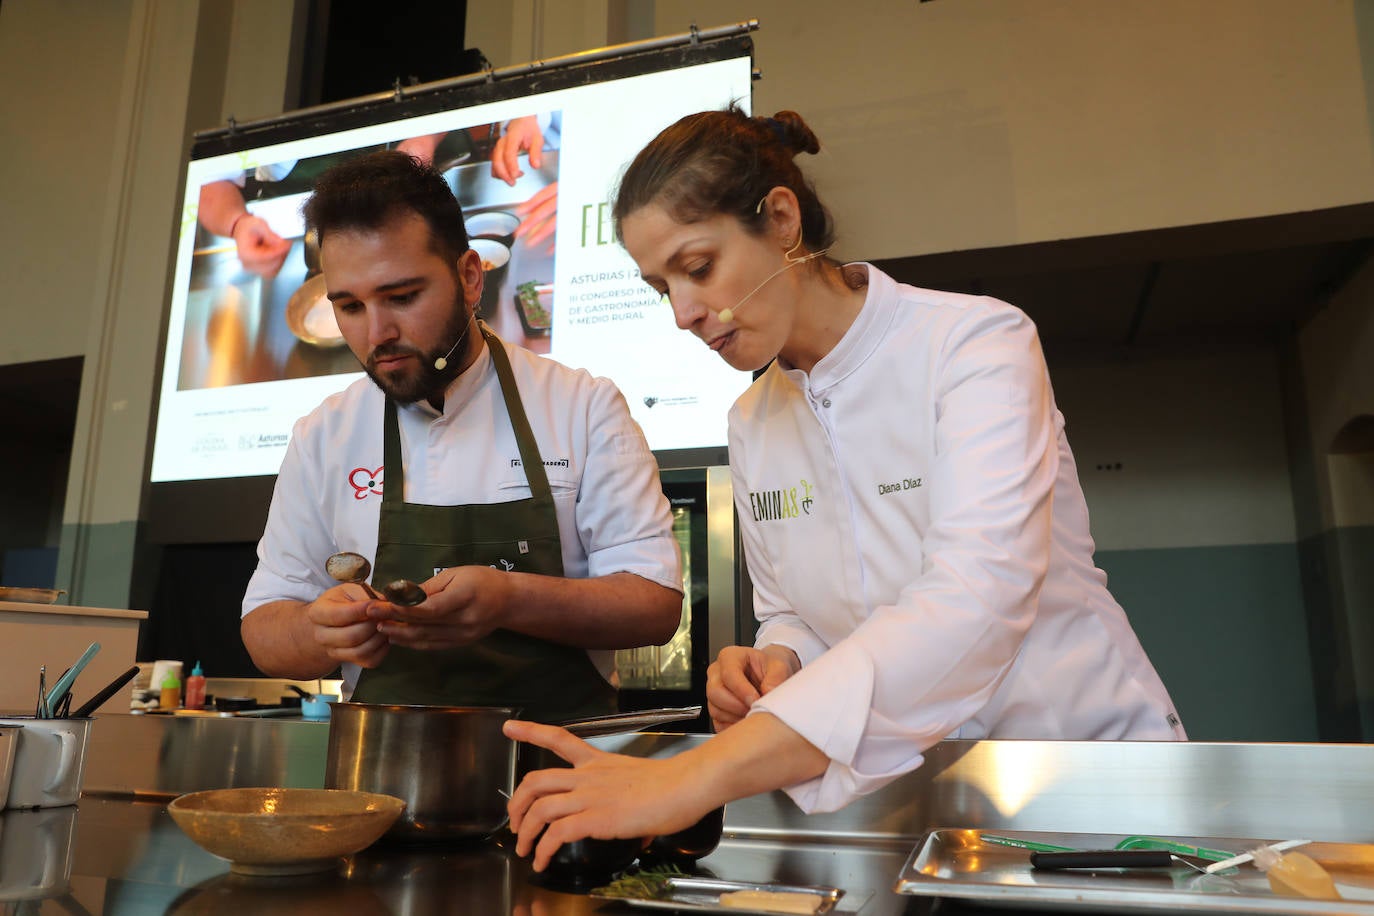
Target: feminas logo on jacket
(781, 504)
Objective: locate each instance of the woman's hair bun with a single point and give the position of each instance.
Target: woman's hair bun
(796, 134)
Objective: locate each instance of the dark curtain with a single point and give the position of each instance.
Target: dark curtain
(194, 615)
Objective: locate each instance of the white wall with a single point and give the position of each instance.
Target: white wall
(61, 63)
(518, 31)
(97, 178)
(974, 123)
(259, 55)
(65, 115)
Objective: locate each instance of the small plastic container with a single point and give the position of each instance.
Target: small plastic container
(317, 707)
(170, 697)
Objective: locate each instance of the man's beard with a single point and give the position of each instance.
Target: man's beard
(424, 381)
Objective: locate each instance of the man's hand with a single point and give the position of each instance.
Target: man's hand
(522, 135)
(260, 249)
(742, 674)
(465, 603)
(341, 626)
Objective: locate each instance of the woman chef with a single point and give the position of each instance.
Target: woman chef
(911, 514)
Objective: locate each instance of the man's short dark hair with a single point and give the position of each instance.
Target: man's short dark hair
(369, 191)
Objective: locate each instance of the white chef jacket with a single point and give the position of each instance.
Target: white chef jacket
(916, 533)
(612, 514)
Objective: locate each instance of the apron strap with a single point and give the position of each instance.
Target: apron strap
(391, 457)
(535, 474)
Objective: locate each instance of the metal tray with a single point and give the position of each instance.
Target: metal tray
(703, 895)
(959, 863)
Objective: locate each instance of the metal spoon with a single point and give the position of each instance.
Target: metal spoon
(404, 592)
(350, 567)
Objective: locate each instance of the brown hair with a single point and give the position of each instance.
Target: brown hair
(725, 162)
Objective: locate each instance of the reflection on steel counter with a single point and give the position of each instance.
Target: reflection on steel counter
(133, 859)
(36, 852)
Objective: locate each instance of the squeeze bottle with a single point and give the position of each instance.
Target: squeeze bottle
(171, 692)
(195, 688)
(1294, 874)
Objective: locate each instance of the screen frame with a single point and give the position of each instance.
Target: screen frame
(234, 509)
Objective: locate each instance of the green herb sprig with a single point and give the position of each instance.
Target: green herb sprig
(641, 883)
(535, 313)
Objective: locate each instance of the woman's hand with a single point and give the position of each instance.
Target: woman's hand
(742, 674)
(602, 795)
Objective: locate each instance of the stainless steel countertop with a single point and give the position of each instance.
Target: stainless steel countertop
(129, 857)
(1322, 791)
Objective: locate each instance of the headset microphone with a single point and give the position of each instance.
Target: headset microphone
(442, 362)
(727, 315)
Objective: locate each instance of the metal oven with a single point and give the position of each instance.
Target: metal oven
(674, 674)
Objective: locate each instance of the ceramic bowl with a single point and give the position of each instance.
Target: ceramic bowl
(271, 831)
(310, 315)
(493, 224)
(495, 262)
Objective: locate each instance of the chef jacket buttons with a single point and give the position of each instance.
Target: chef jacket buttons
(825, 402)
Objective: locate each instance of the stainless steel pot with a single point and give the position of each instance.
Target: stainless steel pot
(450, 764)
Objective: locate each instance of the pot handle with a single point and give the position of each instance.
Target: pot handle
(624, 723)
(66, 758)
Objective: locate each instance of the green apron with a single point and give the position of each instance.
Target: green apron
(545, 681)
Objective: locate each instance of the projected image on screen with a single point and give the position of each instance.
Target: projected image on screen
(256, 309)
(252, 344)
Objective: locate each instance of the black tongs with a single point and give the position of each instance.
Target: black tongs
(1117, 858)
